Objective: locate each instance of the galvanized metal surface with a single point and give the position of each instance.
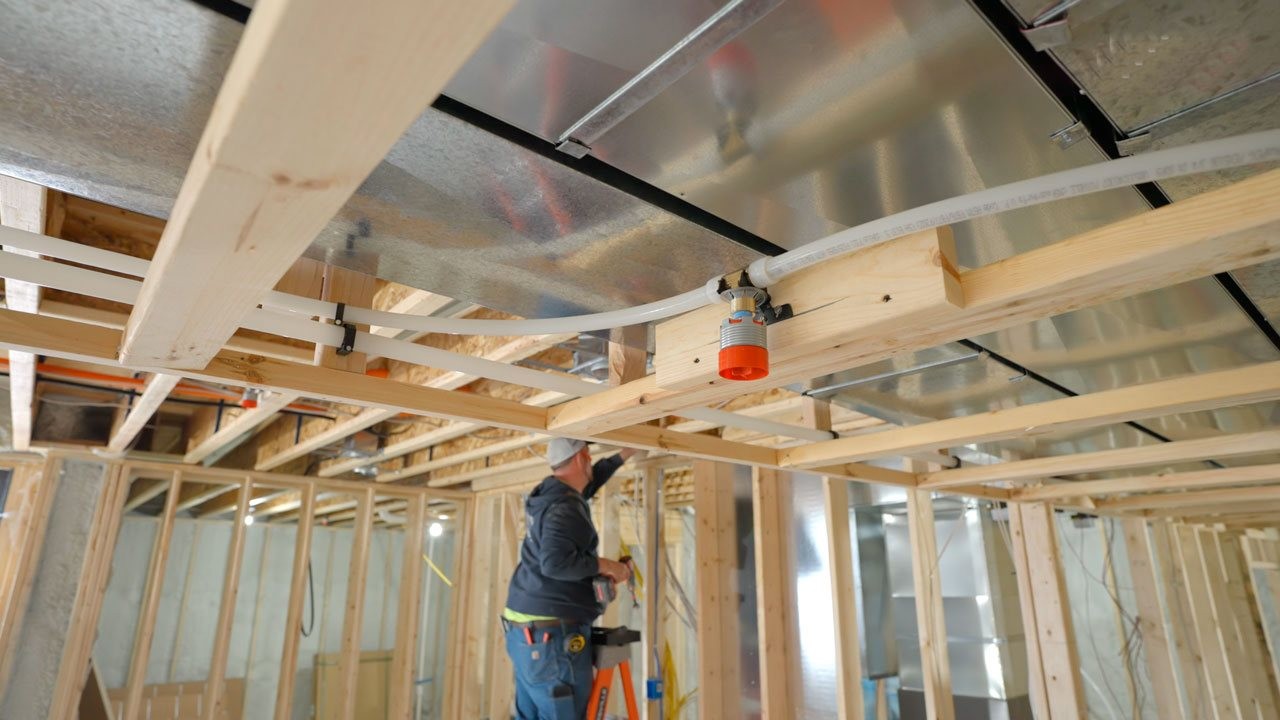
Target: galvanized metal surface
(985, 640)
(1144, 60)
(108, 100)
(551, 61)
(894, 104)
(820, 116)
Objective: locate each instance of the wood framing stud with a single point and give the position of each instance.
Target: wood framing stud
(931, 624)
(1155, 643)
(771, 504)
(293, 616)
(1055, 637)
(150, 605)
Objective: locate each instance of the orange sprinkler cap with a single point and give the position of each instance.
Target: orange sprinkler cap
(744, 362)
(249, 403)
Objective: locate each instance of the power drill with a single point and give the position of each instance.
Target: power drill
(604, 589)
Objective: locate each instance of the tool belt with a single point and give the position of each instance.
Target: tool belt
(536, 624)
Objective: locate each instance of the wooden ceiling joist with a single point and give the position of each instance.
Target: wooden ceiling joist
(317, 93)
(157, 390)
(1195, 502)
(1205, 391)
(24, 206)
(246, 422)
(93, 344)
(1249, 474)
(106, 318)
(906, 295)
(1222, 446)
(500, 350)
(1169, 245)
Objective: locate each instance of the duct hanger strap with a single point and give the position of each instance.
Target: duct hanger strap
(348, 344)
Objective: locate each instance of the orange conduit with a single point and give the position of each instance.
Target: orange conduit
(184, 389)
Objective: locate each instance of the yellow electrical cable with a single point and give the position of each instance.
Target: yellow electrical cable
(437, 569)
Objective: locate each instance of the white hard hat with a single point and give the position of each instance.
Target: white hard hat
(561, 449)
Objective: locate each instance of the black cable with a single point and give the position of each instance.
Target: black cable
(311, 593)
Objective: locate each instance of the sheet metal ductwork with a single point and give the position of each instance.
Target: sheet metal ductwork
(107, 100)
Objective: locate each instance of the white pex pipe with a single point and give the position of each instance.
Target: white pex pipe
(125, 290)
(1209, 156)
(1238, 151)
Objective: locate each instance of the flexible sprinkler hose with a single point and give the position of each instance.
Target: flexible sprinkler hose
(1202, 157)
(1209, 156)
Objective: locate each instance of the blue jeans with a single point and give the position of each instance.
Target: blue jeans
(553, 674)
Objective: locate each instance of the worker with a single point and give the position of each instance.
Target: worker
(550, 600)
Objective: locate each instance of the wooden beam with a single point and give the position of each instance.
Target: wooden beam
(506, 551)
(22, 393)
(456, 646)
(213, 708)
(1243, 475)
(157, 390)
(1222, 446)
(1248, 627)
(716, 549)
(223, 505)
(849, 701)
(1213, 232)
(1151, 623)
(1195, 500)
(1064, 693)
(317, 93)
(408, 612)
(844, 609)
(293, 616)
(1037, 685)
(417, 302)
(628, 359)
(931, 623)
(142, 491)
(1204, 391)
(246, 422)
(918, 270)
(516, 349)
(239, 342)
(1184, 645)
(28, 504)
(480, 611)
(654, 591)
(76, 341)
(1238, 670)
(449, 431)
(1216, 676)
(24, 206)
(194, 493)
(145, 632)
(771, 506)
(95, 571)
(349, 661)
